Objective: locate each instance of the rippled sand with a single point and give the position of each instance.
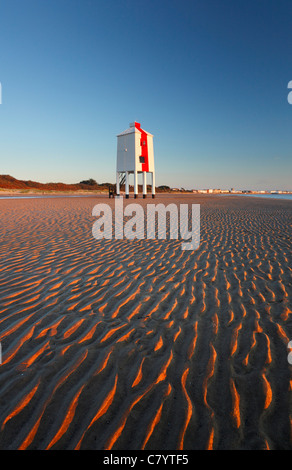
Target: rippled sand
(137, 344)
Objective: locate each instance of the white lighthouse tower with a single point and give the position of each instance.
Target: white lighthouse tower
(135, 156)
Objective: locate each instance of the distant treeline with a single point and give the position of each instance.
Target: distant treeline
(9, 182)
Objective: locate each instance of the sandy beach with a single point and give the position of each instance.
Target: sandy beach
(136, 344)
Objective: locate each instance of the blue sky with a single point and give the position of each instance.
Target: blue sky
(208, 78)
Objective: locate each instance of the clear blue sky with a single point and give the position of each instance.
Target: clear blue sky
(208, 78)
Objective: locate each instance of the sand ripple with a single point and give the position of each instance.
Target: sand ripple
(140, 345)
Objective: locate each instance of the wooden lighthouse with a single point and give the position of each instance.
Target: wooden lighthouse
(135, 156)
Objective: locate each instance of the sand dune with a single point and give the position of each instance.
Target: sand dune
(136, 344)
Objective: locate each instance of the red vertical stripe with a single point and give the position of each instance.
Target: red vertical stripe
(144, 147)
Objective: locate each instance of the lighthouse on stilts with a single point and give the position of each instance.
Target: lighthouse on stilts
(135, 156)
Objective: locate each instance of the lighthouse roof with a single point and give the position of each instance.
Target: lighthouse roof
(134, 127)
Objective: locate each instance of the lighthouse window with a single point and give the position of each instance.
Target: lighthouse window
(142, 159)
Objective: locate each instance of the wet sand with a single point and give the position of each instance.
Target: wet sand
(120, 344)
